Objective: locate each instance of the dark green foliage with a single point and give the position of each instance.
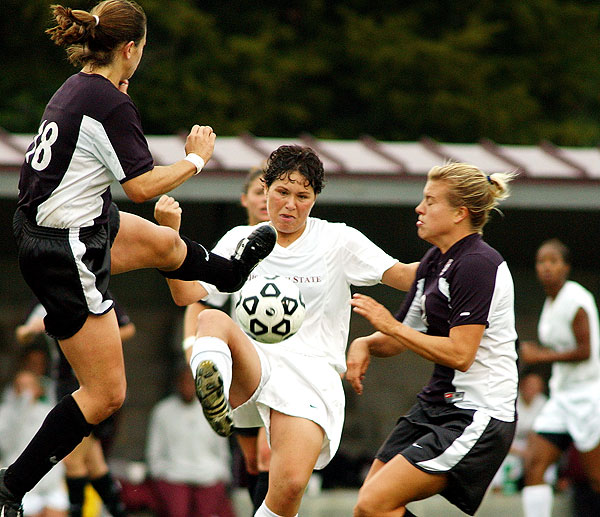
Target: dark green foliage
(513, 71)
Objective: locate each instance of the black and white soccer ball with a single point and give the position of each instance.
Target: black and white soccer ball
(270, 308)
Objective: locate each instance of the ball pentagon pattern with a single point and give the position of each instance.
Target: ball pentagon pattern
(270, 308)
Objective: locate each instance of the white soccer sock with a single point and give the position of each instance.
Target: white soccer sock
(217, 351)
(537, 501)
(263, 511)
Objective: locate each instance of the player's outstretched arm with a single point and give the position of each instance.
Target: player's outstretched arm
(27, 332)
(456, 351)
(161, 179)
(532, 353)
(400, 276)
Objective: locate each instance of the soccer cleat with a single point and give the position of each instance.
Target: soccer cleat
(9, 506)
(210, 393)
(252, 249)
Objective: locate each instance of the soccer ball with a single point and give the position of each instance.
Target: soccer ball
(270, 308)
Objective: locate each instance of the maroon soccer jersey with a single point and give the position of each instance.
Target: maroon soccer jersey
(89, 136)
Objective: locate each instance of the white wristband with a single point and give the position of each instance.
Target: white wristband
(188, 342)
(196, 160)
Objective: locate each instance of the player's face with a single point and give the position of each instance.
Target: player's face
(289, 202)
(255, 202)
(530, 386)
(550, 266)
(436, 215)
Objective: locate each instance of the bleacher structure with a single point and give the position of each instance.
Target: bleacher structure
(367, 171)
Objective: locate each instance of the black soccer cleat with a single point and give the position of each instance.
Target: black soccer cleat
(9, 506)
(210, 393)
(252, 249)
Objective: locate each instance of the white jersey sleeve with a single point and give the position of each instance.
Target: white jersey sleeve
(364, 261)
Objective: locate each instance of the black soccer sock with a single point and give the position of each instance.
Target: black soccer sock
(62, 430)
(109, 490)
(250, 483)
(201, 264)
(76, 488)
(408, 513)
(260, 489)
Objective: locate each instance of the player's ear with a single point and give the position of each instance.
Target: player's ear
(462, 212)
(127, 49)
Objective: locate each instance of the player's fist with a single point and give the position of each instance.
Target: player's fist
(201, 141)
(167, 212)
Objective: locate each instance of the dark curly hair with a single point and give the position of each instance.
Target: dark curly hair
(291, 158)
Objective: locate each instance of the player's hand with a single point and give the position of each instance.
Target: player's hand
(374, 312)
(531, 352)
(167, 212)
(25, 334)
(357, 362)
(123, 86)
(201, 141)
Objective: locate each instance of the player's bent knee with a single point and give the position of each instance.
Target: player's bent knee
(168, 248)
(360, 510)
(367, 504)
(213, 319)
(535, 469)
(112, 400)
(115, 403)
(293, 490)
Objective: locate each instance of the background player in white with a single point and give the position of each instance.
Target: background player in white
(252, 440)
(91, 135)
(459, 314)
(190, 466)
(293, 387)
(87, 462)
(20, 417)
(570, 340)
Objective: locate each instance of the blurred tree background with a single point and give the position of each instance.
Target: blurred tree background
(516, 72)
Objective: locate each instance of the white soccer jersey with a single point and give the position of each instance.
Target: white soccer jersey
(555, 330)
(182, 447)
(20, 418)
(300, 376)
(324, 262)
